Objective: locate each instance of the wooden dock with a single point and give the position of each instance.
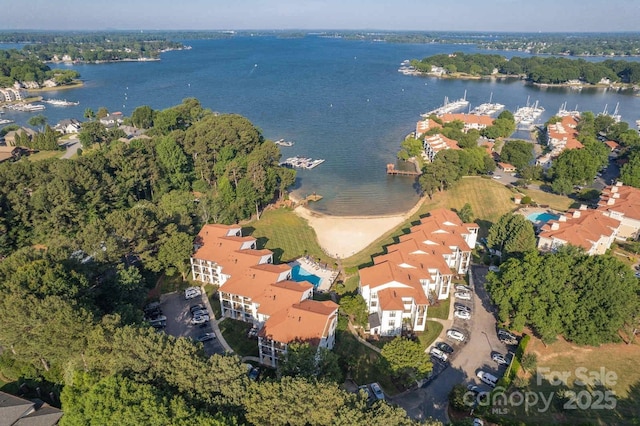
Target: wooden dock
(391, 170)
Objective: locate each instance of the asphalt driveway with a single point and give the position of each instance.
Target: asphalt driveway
(176, 309)
(467, 359)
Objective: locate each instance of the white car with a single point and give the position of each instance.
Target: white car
(499, 359)
(192, 292)
(462, 295)
(437, 353)
(199, 313)
(377, 391)
(465, 315)
(199, 320)
(487, 378)
(455, 335)
(462, 288)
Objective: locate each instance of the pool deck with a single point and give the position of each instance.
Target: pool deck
(327, 276)
(526, 211)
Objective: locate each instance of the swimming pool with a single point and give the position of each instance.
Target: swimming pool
(298, 273)
(541, 217)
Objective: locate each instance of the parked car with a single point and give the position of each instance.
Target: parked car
(462, 287)
(151, 307)
(499, 359)
(196, 307)
(199, 319)
(462, 315)
(199, 313)
(254, 373)
(437, 353)
(494, 268)
(455, 335)
(377, 391)
(460, 307)
(506, 334)
(508, 340)
(473, 388)
(206, 337)
(487, 378)
(462, 295)
(444, 347)
(192, 292)
(367, 391)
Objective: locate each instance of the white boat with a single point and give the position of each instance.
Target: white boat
(26, 107)
(5, 121)
(616, 117)
(449, 106)
(60, 102)
(638, 123)
(564, 112)
(282, 142)
(302, 162)
(525, 117)
(487, 108)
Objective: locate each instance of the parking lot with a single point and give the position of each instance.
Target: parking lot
(469, 357)
(176, 309)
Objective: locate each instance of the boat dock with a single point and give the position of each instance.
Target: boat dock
(391, 170)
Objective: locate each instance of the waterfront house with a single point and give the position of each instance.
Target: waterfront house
(68, 126)
(254, 290)
(416, 272)
(587, 228)
(423, 126)
(112, 120)
(622, 202)
(309, 321)
(560, 136)
(11, 153)
(433, 144)
(11, 137)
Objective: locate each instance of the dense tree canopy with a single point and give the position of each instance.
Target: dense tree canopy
(512, 235)
(517, 152)
(585, 298)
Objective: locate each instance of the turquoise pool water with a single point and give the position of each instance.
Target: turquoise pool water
(543, 217)
(298, 273)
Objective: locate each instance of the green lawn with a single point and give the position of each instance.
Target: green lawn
(431, 334)
(44, 155)
(489, 200)
(235, 333)
(619, 363)
(287, 235)
(440, 310)
(556, 202)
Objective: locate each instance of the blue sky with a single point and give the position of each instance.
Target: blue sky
(434, 15)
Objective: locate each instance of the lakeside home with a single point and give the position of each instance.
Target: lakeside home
(622, 202)
(399, 286)
(254, 290)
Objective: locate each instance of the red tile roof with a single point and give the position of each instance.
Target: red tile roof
(582, 228)
(307, 321)
(621, 199)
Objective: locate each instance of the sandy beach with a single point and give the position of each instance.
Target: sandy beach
(344, 236)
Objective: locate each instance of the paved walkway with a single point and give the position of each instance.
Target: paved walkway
(214, 324)
(361, 340)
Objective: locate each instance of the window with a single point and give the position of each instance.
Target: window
(374, 304)
(374, 295)
(392, 314)
(392, 324)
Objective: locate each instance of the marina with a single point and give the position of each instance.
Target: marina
(26, 107)
(298, 162)
(449, 106)
(527, 116)
(564, 112)
(615, 115)
(487, 108)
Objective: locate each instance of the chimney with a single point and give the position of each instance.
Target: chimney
(583, 206)
(619, 183)
(611, 201)
(555, 226)
(616, 195)
(575, 214)
(562, 218)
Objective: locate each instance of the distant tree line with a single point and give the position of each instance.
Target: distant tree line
(547, 70)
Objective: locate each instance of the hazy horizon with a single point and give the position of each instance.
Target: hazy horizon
(546, 16)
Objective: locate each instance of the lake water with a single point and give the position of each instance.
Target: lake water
(340, 100)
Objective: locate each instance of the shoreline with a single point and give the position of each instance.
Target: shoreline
(346, 236)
